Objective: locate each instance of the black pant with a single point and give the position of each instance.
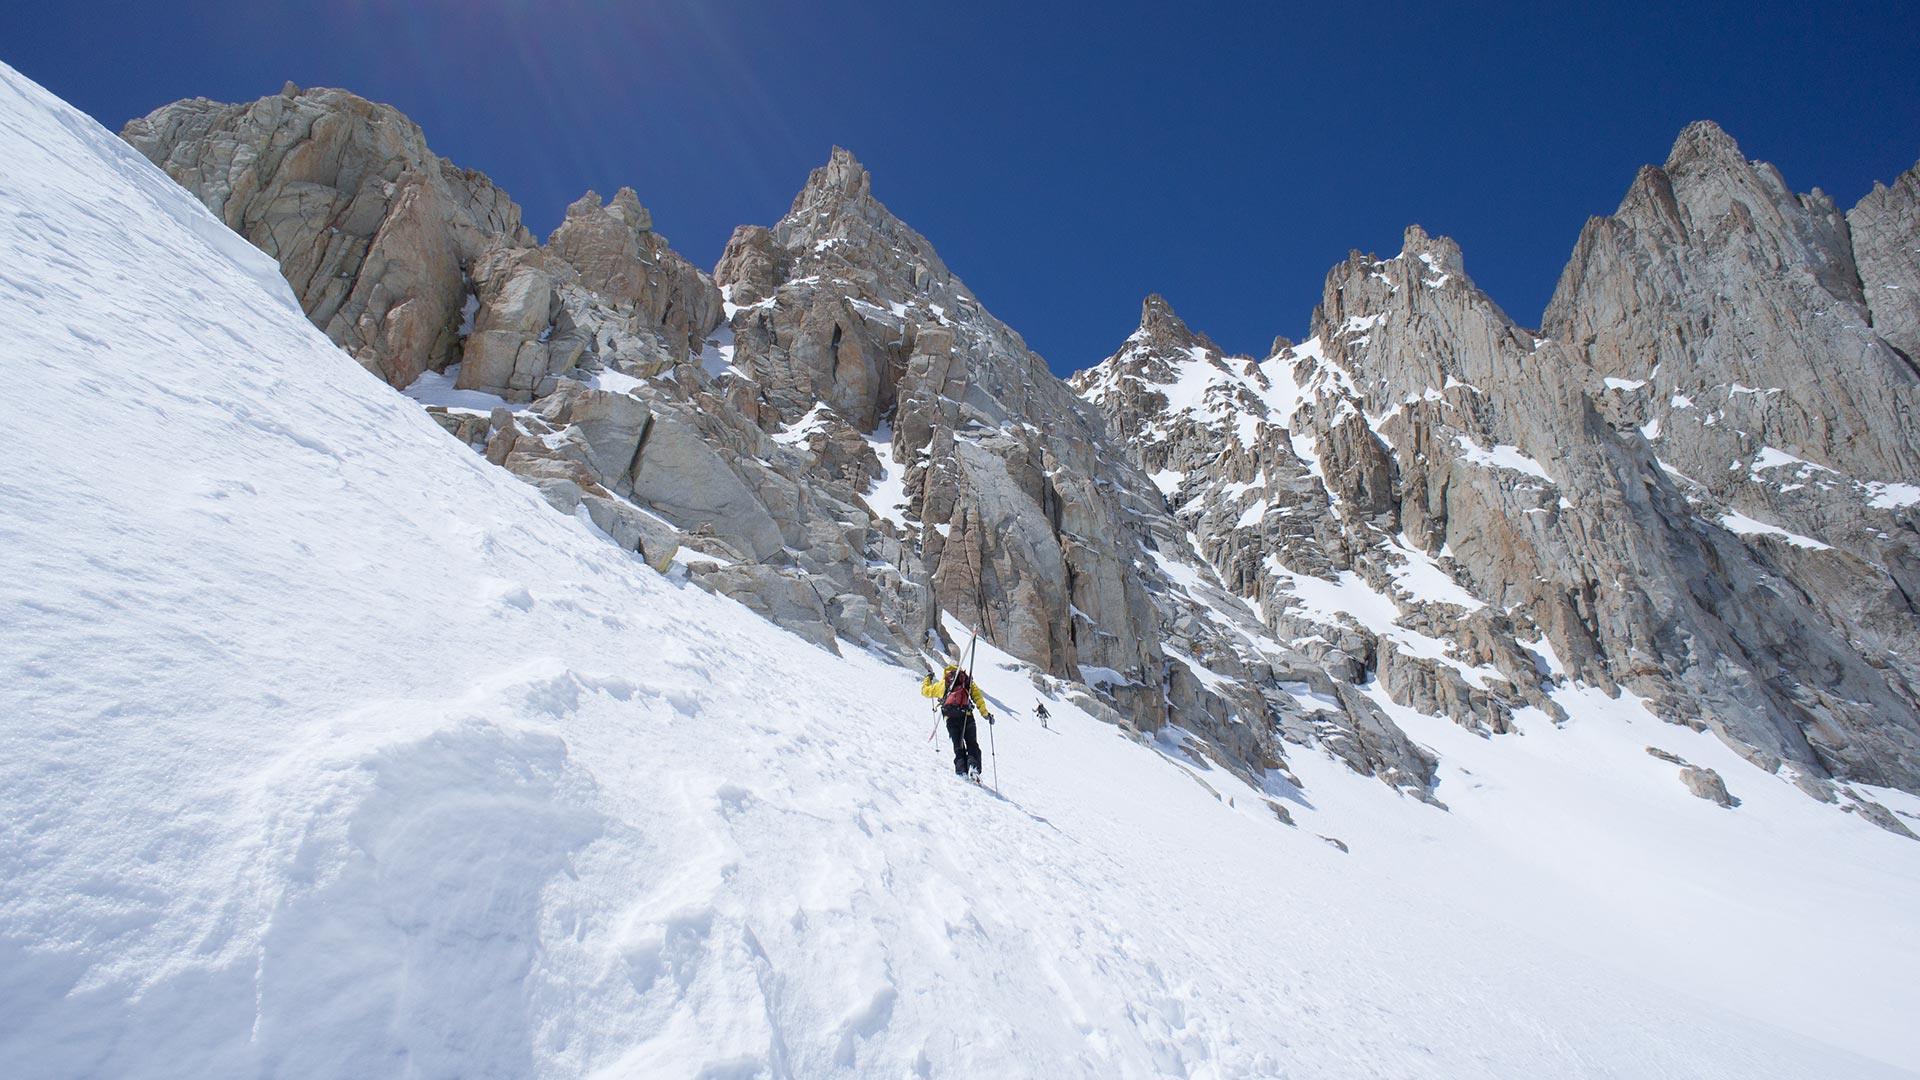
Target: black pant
(966, 739)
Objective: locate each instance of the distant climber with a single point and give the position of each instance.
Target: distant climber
(1040, 712)
(958, 696)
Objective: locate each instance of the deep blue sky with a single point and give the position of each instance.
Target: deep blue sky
(1067, 159)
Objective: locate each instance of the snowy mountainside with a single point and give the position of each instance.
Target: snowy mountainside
(331, 750)
(1234, 445)
(1472, 513)
(833, 430)
(830, 429)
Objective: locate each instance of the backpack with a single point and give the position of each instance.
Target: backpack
(958, 690)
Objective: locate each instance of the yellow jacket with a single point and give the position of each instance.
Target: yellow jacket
(935, 687)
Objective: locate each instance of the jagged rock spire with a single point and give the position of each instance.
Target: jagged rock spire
(1439, 253)
(1704, 141)
(1157, 314)
(1166, 329)
(841, 182)
(625, 207)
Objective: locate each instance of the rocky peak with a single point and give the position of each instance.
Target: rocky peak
(1391, 329)
(1164, 369)
(1157, 318)
(1905, 188)
(1279, 476)
(1011, 501)
(1456, 446)
(839, 189)
(842, 179)
(1747, 303)
(838, 229)
(1710, 192)
(1167, 330)
(1704, 143)
(625, 209)
(1726, 324)
(752, 266)
(620, 257)
(1439, 254)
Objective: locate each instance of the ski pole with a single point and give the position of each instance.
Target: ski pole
(936, 712)
(996, 754)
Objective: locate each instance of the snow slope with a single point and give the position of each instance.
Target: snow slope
(329, 750)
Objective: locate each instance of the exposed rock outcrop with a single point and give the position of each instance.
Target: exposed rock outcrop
(1706, 784)
(375, 233)
(636, 419)
(1885, 230)
(412, 264)
(1027, 520)
(1505, 506)
(743, 428)
(1422, 506)
(1724, 322)
(1212, 430)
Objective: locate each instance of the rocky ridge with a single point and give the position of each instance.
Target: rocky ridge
(1522, 500)
(831, 429)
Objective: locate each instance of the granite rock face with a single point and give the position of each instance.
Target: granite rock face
(1212, 432)
(1885, 230)
(1727, 324)
(614, 395)
(1728, 320)
(374, 232)
(412, 264)
(1506, 512)
(1421, 506)
(1025, 517)
(746, 425)
(1288, 477)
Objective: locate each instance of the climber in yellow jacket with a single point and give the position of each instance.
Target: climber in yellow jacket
(958, 696)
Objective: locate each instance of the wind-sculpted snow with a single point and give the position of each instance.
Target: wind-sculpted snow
(331, 750)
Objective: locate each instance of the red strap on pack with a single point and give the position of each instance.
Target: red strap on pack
(957, 690)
